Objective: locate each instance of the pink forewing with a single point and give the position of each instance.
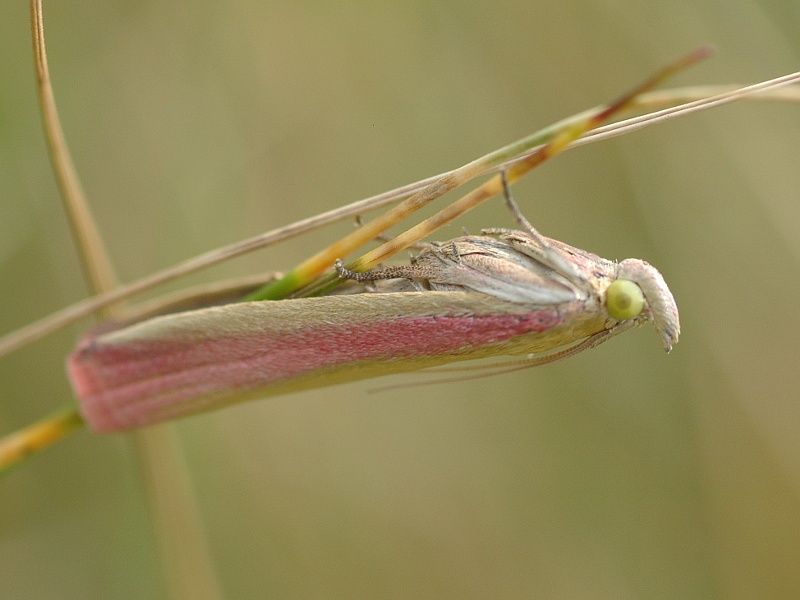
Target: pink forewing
(162, 369)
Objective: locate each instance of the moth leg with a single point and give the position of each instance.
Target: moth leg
(534, 244)
(515, 210)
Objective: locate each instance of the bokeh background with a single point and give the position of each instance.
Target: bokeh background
(621, 473)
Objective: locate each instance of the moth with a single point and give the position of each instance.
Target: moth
(504, 292)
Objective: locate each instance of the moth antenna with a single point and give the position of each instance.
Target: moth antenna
(398, 272)
(510, 366)
(490, 371)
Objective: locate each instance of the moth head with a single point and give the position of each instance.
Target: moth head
(640, 289)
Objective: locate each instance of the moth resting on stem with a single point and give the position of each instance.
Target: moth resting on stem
(507, 293)
(501, 293)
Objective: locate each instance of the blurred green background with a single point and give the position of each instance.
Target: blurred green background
(621, 473)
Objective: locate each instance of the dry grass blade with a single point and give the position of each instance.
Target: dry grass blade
(96, 264)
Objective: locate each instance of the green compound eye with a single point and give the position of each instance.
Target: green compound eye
(624, 300)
